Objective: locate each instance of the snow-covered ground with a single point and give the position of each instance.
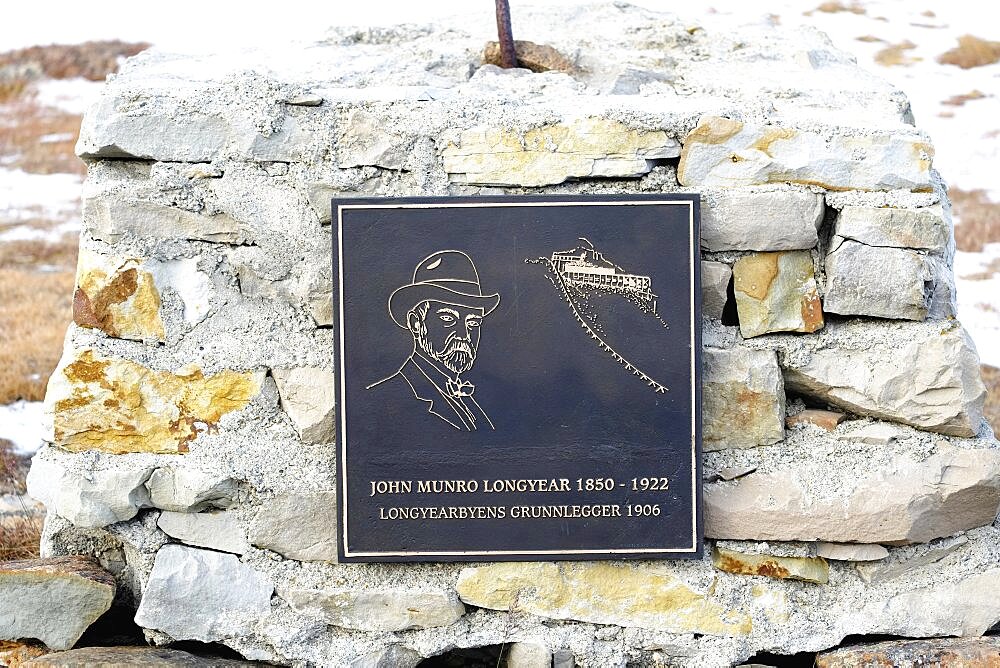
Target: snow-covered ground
(966, 136)
(21, 423)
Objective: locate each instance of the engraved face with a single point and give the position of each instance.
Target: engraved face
(447, 333)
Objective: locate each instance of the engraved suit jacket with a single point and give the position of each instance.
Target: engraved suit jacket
(419, 381)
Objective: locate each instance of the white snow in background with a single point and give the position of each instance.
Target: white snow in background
(24, 196)
(979, 301)
(21, 423)
(967, 142)
(49, 235)
(70, 95)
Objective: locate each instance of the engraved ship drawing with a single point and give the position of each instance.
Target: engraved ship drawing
(583, 271)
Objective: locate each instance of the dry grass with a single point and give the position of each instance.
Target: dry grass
(12, 88)
(19, 534)
(35, 309)
(895, 54)
(90, 60)
(24, 124)
(978, 219)
(991, 377)
(992, 269)
(835, 6)
(960, 100)
(870, 39)
(971, 52)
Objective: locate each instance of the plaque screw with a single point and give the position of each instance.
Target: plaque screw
(508, 56)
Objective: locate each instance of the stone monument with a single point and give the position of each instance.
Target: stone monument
(850, 482)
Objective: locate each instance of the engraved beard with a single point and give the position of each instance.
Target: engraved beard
(458, 355)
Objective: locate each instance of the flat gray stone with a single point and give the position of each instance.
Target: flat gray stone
(925, 229)
(761, 220)
(743, 399)
(715, 278)
(215, 530)
(53, 600)
(376, 609)
(877, 281)
(195, 594)
(307, 397)
(299, 526)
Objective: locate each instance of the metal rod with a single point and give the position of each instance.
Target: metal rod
(508, 55)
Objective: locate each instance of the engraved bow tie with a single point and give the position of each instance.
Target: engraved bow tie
(462, 388)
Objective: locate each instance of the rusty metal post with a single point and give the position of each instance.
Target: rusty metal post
(508, 55)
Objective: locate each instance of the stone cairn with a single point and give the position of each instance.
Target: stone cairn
(851, 484)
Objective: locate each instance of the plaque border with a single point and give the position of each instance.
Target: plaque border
(692, 201)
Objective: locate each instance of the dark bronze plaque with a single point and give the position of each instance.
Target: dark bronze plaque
(518, 378)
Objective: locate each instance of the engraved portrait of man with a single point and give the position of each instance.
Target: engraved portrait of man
(442, 309)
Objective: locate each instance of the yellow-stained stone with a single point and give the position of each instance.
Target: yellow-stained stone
(776, 292)
(809, 569)
(724, 152)
(600, 593)
(553, 153)
(119, 406)
(118, 297)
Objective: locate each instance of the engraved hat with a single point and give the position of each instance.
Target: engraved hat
(445, 276)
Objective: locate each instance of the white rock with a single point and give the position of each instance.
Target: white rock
(551, 154)
(907, 501)
(307, 396)
(53, 600)
(876, 433)
(876, 281)
(88, 498)
(109, 218)
(967, 607)
(724, 152)
(900, 564)
(376, 609)
(191, 285)
(926, 228)
(365, 142)
(851, 551)
(928, 380)
(743, 403)
(393, 656)
(216, 530)
(715, 278)
(188, 490)
(202, 595)
(299, 526)
(761, 220)
(528, 655)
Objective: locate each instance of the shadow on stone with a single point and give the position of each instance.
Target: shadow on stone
(488, 656)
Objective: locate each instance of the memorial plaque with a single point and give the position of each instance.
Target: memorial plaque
(518, 378)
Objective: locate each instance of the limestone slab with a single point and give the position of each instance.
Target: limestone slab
(929, 380)
(195, 594)
(528, 655)
(877, 281)
(925, 228)
(214, 530)
(808, 569)
(116, 405)
(118, 657)
(298, 526)
(189, 490)
(715, 278)
(743, 399)
(551, 154)
(908, 501)
(776, 292)
(851, 551)
(377, 609)
(110, 218)
(53, 600)
(600, 593)
(93, 498)
(761, 220)
(955, 652)
(307, 398)
(725, 152)
(966, 607)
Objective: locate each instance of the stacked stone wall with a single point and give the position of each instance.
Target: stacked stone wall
(851, 484)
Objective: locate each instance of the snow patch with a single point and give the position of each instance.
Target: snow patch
(21, 423)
